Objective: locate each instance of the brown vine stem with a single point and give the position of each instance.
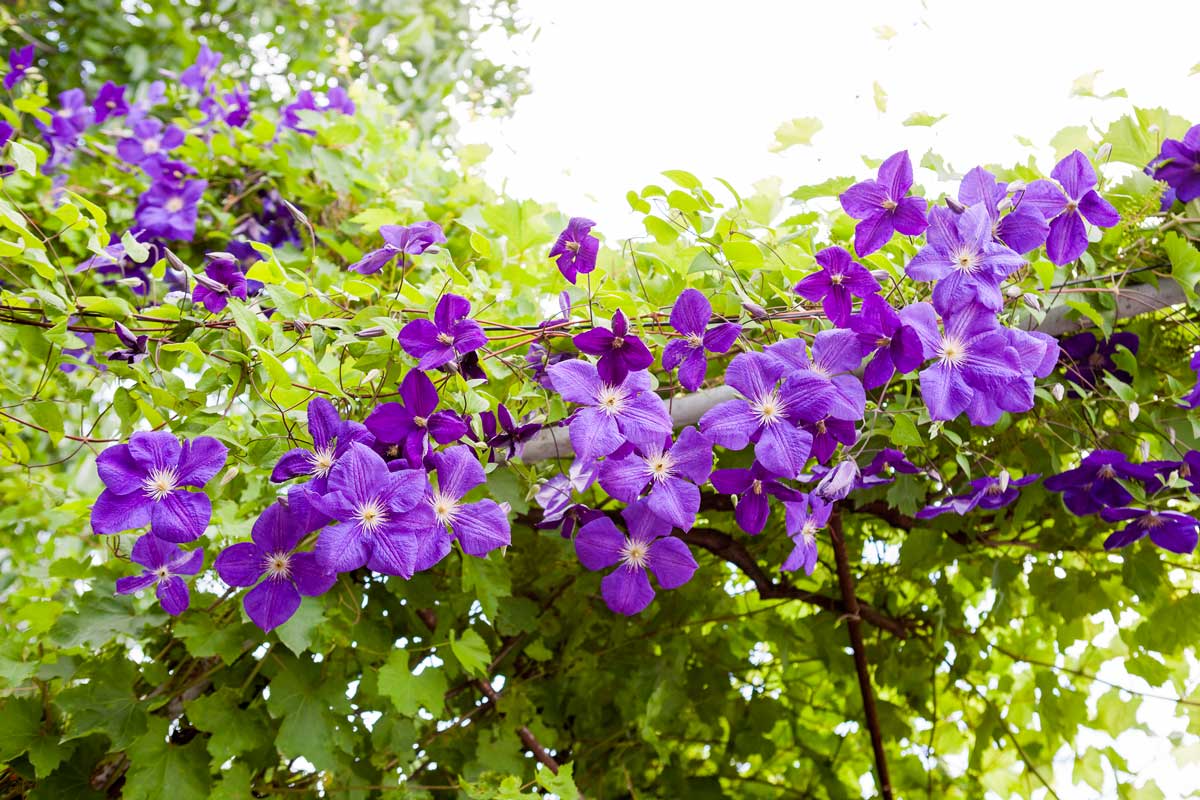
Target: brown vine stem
(854, 626)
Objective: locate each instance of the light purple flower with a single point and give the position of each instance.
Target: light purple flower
(988, 493)
(73, 116)
(576, 249)
(479, 527)
(839, 482)
(222, 279)
(612, 413)
(447, 337)
(413, 421)
(1178, 163)
(824, 381)
(884, 207)
(648, 546)
(332, 437)
(164, 562)
(145, 484)
(893, 346)
(110, 102)
(170, 212)
(840, 279)
(270, 561)
(1169, 530)
(150, 139)
(1037, 356)
(196, 76)
(673, 474)
(690, 316)
(400, 240)
(166, 172)
(1067, 203)
(802, 523)
(752, 487)
(620, 352)
(962, 257)
(1022, 229)
(20, 59)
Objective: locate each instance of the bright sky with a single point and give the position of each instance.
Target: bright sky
(627, 88)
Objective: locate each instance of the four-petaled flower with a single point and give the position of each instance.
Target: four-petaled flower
(648, 546)
(20, 59)
(1178, 163)
(576, 249)
(619, 351)
(964, 259)
(612, 413)
(400, 240)
(133, 347)
(164, 562)
(894, 346)
(1067, 203)
(448, 336)
(883, 206)
(146, 481)
(332, 437)
(1169, 530)
(223, 278)
(752, 487)
(270, 561)
(690, 316)
(672, 473)
(480, 527)
(110, 102)
(803, 518)
(501, 432)
(413, 421)
(840, 279)
(150, 141)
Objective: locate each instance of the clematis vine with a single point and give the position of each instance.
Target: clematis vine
(1192, 398)
(690, 316)
(450, 334)
(169, 212)
(332, 437)
(133, 347)
(110, 102)
(1096, 483)
(824, 381)
(884, 207)
(20, 60)
(1088, 359)
(839, 280)
(1066, 202)
(575, 250)
(164, 563)
(151, 140)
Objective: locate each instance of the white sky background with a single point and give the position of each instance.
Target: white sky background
(627, 88)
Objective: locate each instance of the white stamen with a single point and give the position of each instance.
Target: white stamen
(661, 464)
(952, 352)
(160, 483)
(371, 515)
(768, 408)
(635, 553)
(444, 508)
(611, 399)
(278, 565)
(965, 259)
(322, 461)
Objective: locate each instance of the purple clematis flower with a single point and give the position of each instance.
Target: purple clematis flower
(400, 240)
(1189, 469)
(270, 561)
(20, 59)
(501, 432)
(73, 116)
(332, 437)
(802, 524)
(380, 515)
(673, 474)
(1095, 483)
(839, 482)
(647, 546)
(236, 107)
(556, 497)
(987, 493)
(479, 527)
(763, 415)
(1169, 530)
(338, 99)
(448, 336)
(1088, 358)
(413, 421)
(1037, 356)
(827, 434)
(576, 249)
(110, 102)
(824, 380)
(613, 413)
(883, 206)
(1067, 203)
(133, 349)
(1178, 163)
(1192, 398)
(690, 316)
(167, 172)
(893, 346)
(145, 482)
(886, 461)
(1023, 229)
(222, 279)
(164, 562)
(620, 352)
(150, 139)
(840, 279)
(962, 257)
(752, 487)
(972, 355)
(196, 76)
(170, 212)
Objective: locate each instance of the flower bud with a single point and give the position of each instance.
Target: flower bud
(1004, 204)
(838, 482)
(299, 326)
(756, 311)
(131, 282)
(955, 206)
(1032, 301)
(1016, 186)
(1058, 392)
(1003, 477)
(1013, 291)
(372, 376)
(881, 275)
(1144, 449)
(1134, 410)
(174, 260)
(229, 475)
(1104, 152)
(210, 284)
(220, 255)
(371, 333)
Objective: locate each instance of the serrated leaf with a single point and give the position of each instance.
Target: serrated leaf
(471, 651)
(923, 119)
(798, 131)
(24, 157)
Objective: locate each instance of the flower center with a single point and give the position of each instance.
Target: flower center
(421, 422)
(611, 399)
(890, 204)
(993, 489)
(695, 340)
(573, 247)
(322, 461)
(1072, 206)
(837, 278)
(661, 465)
(162, 573)
(150, 146)
(444, 508)
(160, 483)
(809, 531)
(1106, 472)
(635, 553)
(618, 342)
(445, 338)
(883, 341)
(769, 408)
(278, 565)
(756, 487)
(965, 260)
(820, 426)
(174, 204)
(371, 515)
(953, 352)
(1151, 520)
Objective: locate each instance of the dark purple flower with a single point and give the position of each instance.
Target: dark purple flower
(1095, 483)
(885, 462)
(763, 415)
(145, 482)
(827, 434)
(895, 347)
(415, 419)
(133, 347)
(170, 212)
(479, 527)
(840, 279)
(1192, 398)
(1066, 203)
(690, 316)
(221, 280)
(648, 546)
(751, 487)
(501, 432)
(672, 473)
(270, 561)
(196, 76)
(305, 101)
(1088, 358)
(411, 240)
(1189, 469)
(1178, 163)
(1169, 530)
(110, 102)
(20, 59)
(824, 381)
(150, 139)
(802, 524)
(883, 206)
(620, 352)
(164, 562)
(381, 517)
(1023, 229)
(972, 355)
(332, 437)
(6, 132)
(449, 335)
(576, 249)
(613, 413)
(987, 493)
(962, 257)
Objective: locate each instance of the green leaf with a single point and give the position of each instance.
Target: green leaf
(305, 700)
(20, 720)
(135, 249)
(297, 632)
(106, 704)
(881, 97)
(111, 307)
(159, 769)
(409, 693)
(562, 784)
(471, 651)
(1185, 264)
(904, 432)
(923, 119)
(800, 130)
(24, 157)
(234, 730)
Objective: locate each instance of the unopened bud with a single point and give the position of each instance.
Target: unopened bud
(1144, 449)
(955, 206)
(230, 474)
(1004, 204)
(299, 326)
(756, 311)
(1003, 477)
(1013, 291)
(210, 284)
(1058, 392)
(371, 333)
(174, 260)
(1016, 187)
(881, 275)
(1171, 436)
(295, 212)
(1152, 129)
(1104, 152)
(838, 482)
(220, 255)
(372, 376)
(1134, 410)
(1032, 300)
(131, 282)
